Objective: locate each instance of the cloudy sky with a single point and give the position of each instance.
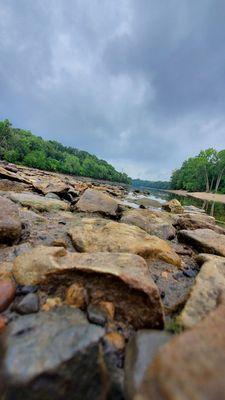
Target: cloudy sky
(140, 83)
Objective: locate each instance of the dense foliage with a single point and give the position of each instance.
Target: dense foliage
(138, 183)
(205, 172)
(22, 147)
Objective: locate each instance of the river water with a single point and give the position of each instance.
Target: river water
(215, 209)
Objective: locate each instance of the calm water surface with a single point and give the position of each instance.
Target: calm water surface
(215, 209)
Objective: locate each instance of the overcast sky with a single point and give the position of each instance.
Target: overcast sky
(139, 83)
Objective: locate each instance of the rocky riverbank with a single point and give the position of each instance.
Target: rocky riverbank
(106, 298)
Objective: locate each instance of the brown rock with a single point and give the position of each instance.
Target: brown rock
(76, 295)
(206, 292)
(10, 224)
(108, 307)
(6, 270)
(2, 324)
(51, 302)
(198, 221)
(115, 277)
(191, 365)
(173, 206)
(115, 339)
(7, 293)
(56, 186)
(154, 223)
(96, 234)
(95, 201)
(204, 240)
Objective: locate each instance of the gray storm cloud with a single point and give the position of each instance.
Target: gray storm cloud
(139, 83)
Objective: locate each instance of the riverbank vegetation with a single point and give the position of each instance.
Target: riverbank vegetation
(22, 147)
(205, 172)
(139, 183)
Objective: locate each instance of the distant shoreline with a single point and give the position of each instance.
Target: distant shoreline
(219, 198)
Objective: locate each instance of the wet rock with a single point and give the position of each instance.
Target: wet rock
(206, 292)
(10, 223)
(204, 240)
(96, 234)
(37, 202)
(198, 221)
(140, 351)
(76, 295)
(95, 201)
(28, 305)
(173, 206)
(115, 277)
(191, 365)
(7, 293)
(154, 223)
(48, 353)
(96, 315)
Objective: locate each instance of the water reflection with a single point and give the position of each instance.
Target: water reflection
(214, 209)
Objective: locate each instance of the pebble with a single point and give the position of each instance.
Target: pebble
(28, 305)
(76, 295)
(23, 290)
(7, 293)
(190, 273)
(96, 315)
(2, 324)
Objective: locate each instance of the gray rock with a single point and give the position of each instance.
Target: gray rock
(140, 351)
(28, 305)
(52, 196)
(96, 201)
(96, 315)
(53, 355)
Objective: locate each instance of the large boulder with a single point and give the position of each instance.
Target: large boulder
(10, 223)
(38, 203)
(154, 223)
(53, 355)
(191, 365)
(207, 290)
(96, 234)
(204, 240)
(173, 206)
(119, 278)
(192, 221)
(141, 349)
(96, 201)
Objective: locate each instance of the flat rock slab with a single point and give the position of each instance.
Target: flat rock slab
(206, 292)
(53, 355)
(52, 186)
(96, 201)
(97, 234)
(122, 279)
(191, 365)
(204, 240)
(37, 202)
(141, 349)
(195, 221)
(154, 223)
(10, 223)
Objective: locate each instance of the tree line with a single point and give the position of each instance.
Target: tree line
(22, 147)
(205, 172)
(139, 183)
